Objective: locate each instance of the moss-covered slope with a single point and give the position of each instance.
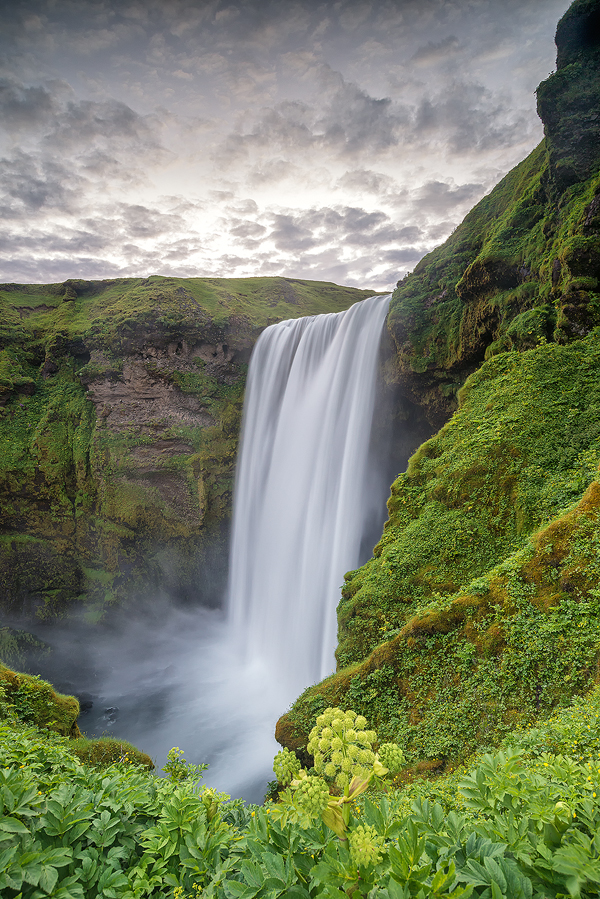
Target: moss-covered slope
(524, 264)
(120, 407)
(479, 610)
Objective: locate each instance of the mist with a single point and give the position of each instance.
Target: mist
(160, 676)
(322, 439)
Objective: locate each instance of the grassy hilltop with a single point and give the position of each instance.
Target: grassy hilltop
(120, 405)
(479, 610)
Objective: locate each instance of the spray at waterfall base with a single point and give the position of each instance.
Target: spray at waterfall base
(214, 683)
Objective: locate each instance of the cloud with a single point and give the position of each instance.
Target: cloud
(353, 121)
(339, 140)
(22, 106)
(466, 117)
(291, 234)
(248, 229)
(29, 184)
(439, 196)
(346, 122)
(139, 221)
(367, 181)
(436, 52)
(108, 123)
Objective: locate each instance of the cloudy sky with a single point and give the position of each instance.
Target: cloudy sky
(337, 140)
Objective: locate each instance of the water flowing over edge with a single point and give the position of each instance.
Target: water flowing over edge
(215, 684)
(301, 494)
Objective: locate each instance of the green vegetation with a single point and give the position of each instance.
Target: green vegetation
(479, 610)
(521, 268)
(120, 408)
(28, 699)
(469, 642)
(521, 822)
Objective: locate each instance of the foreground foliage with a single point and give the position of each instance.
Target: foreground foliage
(524, 822)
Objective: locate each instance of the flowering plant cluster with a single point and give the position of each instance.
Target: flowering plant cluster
(345, 763)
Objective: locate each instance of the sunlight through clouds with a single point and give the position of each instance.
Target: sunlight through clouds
(337, 141)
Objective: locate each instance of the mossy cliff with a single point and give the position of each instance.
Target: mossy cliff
(27, 701)
(524, 264)
(479, 610)
(120, 407)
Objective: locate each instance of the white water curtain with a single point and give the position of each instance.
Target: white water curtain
(299, 507)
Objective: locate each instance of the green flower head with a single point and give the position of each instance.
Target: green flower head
(286, 766)
(365, 845)
(341, 747)
(311, 796)
(391, 756)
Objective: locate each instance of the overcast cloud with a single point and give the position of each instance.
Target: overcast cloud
(337, 140)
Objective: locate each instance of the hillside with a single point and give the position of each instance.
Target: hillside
(120, 406)
(524, 264)
(478, 611)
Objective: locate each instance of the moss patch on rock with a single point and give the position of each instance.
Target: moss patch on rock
(120, 408)
(107, 751)
(524, 265)
(31, 700)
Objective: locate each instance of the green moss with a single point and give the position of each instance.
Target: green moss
(479, 612)
(466, 670)
(107, 751)
(29, 701)
(115, 314)
(523, 445)
(34, 701)
(86, 502)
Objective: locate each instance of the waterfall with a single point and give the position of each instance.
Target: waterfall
(216, 685)
(301, 494)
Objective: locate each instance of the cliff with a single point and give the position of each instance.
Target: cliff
(120, 405)
(524, 264)
(479, 610)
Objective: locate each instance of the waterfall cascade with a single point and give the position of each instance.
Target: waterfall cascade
(301, 495)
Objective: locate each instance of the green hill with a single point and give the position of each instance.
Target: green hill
(478, 611)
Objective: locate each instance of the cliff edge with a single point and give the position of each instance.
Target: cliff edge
(120, 409)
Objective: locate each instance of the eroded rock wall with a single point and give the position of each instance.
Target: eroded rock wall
(120, 409)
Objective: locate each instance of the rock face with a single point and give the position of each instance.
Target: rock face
(524, 265)
(120, 406)
(479, 610)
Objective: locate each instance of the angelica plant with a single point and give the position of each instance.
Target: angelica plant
(342, 748)
(286, 766)
(365, 845)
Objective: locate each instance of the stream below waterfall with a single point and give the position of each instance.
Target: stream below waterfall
(214, 682)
